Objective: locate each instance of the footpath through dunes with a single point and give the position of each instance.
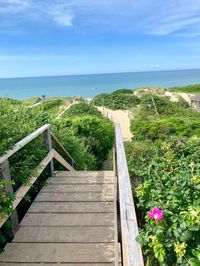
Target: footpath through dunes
(119, 116)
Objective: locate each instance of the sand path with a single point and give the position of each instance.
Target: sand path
(119, 116)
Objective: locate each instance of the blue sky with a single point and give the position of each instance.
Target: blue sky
(58, 37)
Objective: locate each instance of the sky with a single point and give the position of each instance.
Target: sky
(64, 37)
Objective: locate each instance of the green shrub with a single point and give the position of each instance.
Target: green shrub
(122, 91)
(171, 183)
(98, 134)
(82, 109)
(116, 100)
(188, 89)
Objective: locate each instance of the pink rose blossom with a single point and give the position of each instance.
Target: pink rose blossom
(180, 142)
(156, 214)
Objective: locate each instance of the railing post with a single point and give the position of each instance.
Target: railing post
(5, 175)
(48, 144)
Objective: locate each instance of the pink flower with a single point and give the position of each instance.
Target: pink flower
(180, 142)
(156, 214)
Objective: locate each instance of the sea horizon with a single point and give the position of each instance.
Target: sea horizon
(100, 73)
(89, 85)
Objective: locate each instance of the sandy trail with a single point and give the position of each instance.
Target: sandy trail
(119, 116)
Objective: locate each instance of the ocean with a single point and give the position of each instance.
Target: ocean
(88, 86)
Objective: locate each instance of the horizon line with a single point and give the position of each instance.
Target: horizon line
(106, 73)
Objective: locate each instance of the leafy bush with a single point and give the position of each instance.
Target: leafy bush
(162, 128)
(98, 134)
(116, 100)
(122, 91)
(82, 109)
(75, 144)
(171, 183)
(188, 89)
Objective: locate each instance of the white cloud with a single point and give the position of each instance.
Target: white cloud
(153, 17)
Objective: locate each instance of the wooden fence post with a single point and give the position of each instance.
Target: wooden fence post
(5, 175)
(48, 144)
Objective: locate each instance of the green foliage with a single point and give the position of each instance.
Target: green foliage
(54, 105)
(98, 134)
(163, 160)
(171, 182)
(6, 200)
(117, 100)
(82, 109)
(122, 91)
(74, 144)
(162, 128)
(188, 89)
(31, 101)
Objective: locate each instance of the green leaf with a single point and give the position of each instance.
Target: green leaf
(194, 262)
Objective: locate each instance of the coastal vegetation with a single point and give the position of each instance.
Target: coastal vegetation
(88, 139)
(120, 99)
(163, 160)
(195, 88)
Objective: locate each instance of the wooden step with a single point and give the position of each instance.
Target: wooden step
(58, 253)
(71, 207)
(81, 180)
(104, 195)
(65, 234)
(53, 264)
(68, 219)
(78, 188)
(85, 173)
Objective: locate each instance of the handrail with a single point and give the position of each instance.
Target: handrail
(23, 189)
(131, 250)
(59, 145)
(23, 142)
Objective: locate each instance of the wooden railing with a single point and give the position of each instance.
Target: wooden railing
(131, 250)
(48, 160)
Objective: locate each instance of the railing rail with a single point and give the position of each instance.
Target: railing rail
(23, 189)
(59, 145)
(131, 250)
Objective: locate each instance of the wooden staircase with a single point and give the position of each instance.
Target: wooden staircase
(78, 218)
(72, 220)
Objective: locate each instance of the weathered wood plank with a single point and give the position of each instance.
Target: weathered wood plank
(60, 146)
(21, 192)
(58, 253)
(65, 234)
(131, 250)
(62, 161)
(82, 180)
(69, 207)
(78, 188)
(53, 264)
(69, 219)
(75, 196)
(23, 142)
(6, 176)
(48, 145)
(84, 173)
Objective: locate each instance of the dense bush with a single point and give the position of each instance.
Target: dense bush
(188, 89)
(98, 134)
(82, 109)
(122, 91)
(116, 100)
(164, 127)
(163, 160)
(171, 183)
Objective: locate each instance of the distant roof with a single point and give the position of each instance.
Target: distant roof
(196, 98)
